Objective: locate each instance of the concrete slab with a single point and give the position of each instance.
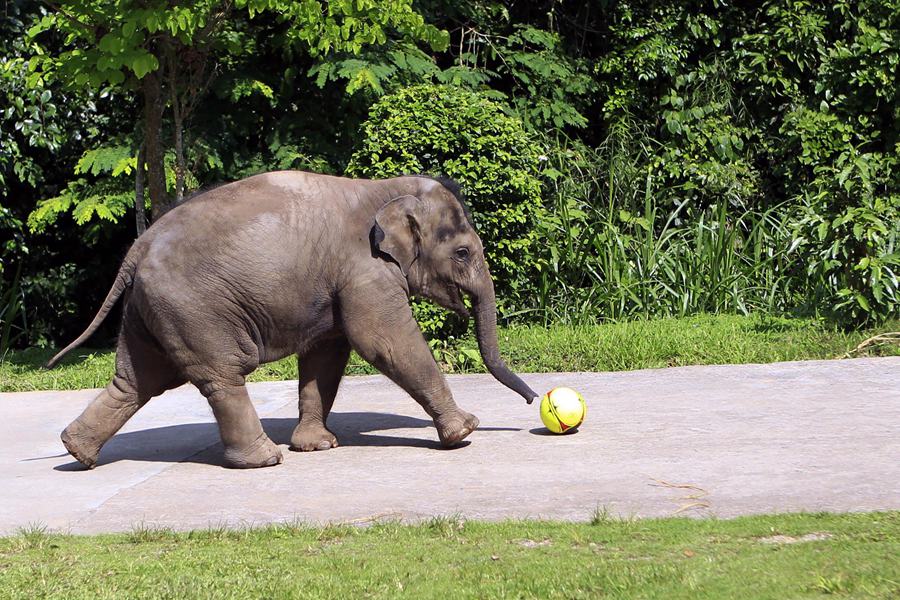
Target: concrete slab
(700, 441)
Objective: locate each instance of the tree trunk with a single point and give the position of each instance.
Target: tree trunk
(151, 87)
(179, 156)
(178, 120)
(140, 219)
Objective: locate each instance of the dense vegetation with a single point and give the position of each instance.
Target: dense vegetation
(625, 158)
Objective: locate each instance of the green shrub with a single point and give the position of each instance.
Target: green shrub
(850, 234)
(840, 155)
(443, 130)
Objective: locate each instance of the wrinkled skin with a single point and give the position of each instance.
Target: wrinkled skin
(291, 263)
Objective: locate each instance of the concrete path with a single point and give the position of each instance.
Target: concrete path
(700, 441)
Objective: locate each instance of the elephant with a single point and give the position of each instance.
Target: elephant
(290, 262)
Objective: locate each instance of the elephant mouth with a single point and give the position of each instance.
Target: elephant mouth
(457, 304)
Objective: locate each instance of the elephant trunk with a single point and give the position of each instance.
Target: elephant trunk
(485, 305)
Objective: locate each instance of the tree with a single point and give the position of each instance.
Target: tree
(165, 52)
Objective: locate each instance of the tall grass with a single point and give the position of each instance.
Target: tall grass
(615, 252)
(11, 312)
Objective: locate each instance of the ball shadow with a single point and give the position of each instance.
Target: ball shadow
(546, 432)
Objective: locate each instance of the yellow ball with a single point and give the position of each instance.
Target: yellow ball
(562, 409)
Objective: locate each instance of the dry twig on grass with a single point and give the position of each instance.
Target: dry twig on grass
(696, 499)
(892, 337)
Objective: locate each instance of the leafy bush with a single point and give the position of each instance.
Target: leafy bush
(850, 233)
(465, 136)
(838, 147)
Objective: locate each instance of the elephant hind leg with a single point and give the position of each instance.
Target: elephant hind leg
(216, 358)
(142, 371)
(321, 370)
(246, 444)
(103, 417)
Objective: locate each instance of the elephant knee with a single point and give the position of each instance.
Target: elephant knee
(217, 394)
(119, 392)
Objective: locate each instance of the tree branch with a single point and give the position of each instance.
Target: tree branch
(91, 28)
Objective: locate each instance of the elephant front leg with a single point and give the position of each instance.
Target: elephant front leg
(321, 370)
(391, 340)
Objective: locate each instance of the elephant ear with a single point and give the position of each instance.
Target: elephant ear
(397, 231)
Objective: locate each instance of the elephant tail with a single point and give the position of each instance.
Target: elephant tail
(124, 279)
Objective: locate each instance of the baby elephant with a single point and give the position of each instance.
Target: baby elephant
(292, 263)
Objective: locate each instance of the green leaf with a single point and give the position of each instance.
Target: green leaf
(674, 126)
(110, 43)
(143, 64)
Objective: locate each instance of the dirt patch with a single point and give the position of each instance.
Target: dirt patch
(534, 544)
(789, 539)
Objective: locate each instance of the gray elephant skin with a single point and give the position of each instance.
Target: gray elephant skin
(292, 263)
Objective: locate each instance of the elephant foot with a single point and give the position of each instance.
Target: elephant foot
(81, 444)
(261, 453)
(307, 438)
(453, 428)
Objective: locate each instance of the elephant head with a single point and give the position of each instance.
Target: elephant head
(432, 239)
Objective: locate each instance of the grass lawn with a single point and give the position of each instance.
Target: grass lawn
(782, 556)
(613, 347)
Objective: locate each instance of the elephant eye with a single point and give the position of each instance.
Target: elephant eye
(462, 253)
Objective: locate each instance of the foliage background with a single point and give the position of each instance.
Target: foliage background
(626, 159)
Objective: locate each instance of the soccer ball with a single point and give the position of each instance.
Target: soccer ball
(562, 409)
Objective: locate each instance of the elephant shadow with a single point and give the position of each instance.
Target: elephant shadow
(199, 442)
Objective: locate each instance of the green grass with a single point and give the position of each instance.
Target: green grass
(613, 347)
(618, 248)
(848, 556)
